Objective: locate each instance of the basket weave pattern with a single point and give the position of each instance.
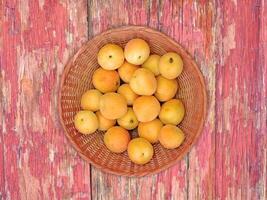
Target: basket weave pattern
(77, 78)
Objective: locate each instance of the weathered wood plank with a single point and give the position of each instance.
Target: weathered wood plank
(228, 41)
(37, 38)
(105, 15)
(2, 172)
(191, 24)
(241, 101)
(262, 183)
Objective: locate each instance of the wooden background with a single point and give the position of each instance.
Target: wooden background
(228, 39)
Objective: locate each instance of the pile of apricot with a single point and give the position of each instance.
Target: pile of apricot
(134, 90)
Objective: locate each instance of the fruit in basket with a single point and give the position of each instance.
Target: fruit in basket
(170, 65)
(126, 71)
(116, 139)
(104, 123)
(172, 112)
(146, 108)
(106, 80)
(110, 56)
(143, 82)
(126, 91)
(171, 136)
(166, 88)
(140, 151)
(110, 101)
(113, 105)
(136, 51)
(150, 130)
(152, 64)
(129, 120)
(90, 100)
(85, 122)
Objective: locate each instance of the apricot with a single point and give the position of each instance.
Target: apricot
(171, 136)
(129, 120)
(150, 130)
(126, 71)
(140, 151)
(172, 112)
(113, 105)
(104, 123)
(90, 100)
(143, 82)
(85, 122)
(136, 51)
(170, 65)
(146, 108)
(110, 56)
(106, 80)
(152, 64)
(166, 88)
(126, 91)
(116, 139)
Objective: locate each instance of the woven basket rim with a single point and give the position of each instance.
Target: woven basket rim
(202, 82)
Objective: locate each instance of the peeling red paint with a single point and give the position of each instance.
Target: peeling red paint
(228, 41)
(239, 153)
(10, 34)
(42, 33)
(177, 19)
(35, 40)
(79, 184)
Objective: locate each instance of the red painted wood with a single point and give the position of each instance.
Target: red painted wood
(193, 177)
(193, 22)
(241, 101)
(228, 41)
(37, 38)
(2, 172)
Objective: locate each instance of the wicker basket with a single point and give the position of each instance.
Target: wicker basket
(76, 79)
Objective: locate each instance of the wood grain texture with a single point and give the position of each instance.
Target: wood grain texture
(37, 38)
(193, 177)
(241, 101)
(228, 39)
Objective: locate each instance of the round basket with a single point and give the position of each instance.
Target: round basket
(77, 78)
